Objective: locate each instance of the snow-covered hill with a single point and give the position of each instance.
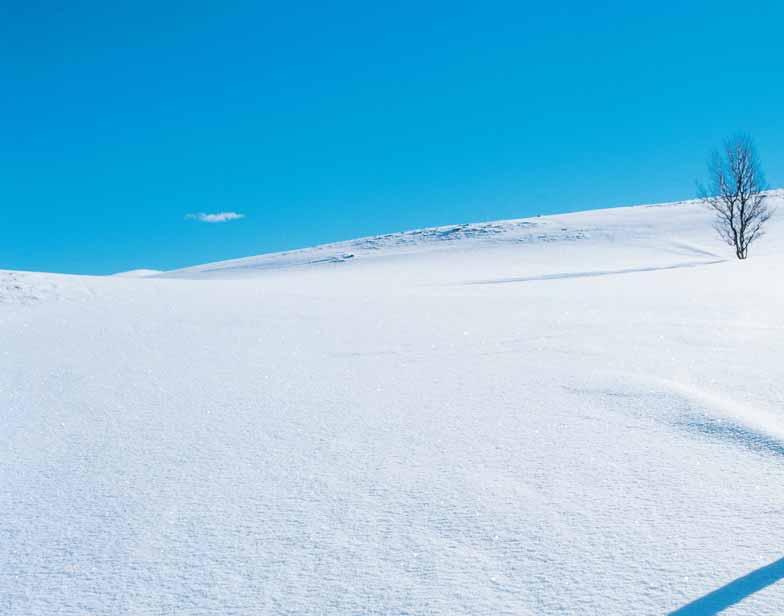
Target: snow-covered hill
(576, 414)
(677, 228)
(138, 273)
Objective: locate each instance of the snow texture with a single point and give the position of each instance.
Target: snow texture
(576, 414)
(138, 273)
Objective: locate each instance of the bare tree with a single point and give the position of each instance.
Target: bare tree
(735, 193)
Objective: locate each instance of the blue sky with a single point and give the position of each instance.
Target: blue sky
(326, 121)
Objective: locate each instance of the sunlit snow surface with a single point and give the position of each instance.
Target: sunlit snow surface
(579, 414)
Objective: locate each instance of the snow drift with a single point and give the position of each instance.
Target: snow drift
(576, 414)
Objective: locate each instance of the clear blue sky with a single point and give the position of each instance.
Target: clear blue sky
(327, 121)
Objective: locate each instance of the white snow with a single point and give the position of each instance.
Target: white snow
(138, 273)
(576, 414)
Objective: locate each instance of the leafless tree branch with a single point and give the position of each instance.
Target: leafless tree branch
(736, 194)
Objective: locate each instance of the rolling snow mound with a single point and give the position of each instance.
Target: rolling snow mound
(573, 414)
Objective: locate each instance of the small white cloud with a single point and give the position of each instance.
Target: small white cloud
(217, 217)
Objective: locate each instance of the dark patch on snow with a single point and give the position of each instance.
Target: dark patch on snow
(332, 259)
(720, 429)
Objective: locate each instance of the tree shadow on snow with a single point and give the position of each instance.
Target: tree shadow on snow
(734, 592)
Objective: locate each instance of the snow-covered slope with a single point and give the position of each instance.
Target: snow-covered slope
(577, 414)
(137, 273)
(682, 229)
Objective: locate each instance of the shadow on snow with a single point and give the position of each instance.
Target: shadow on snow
(734, 592)
(596, 274)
